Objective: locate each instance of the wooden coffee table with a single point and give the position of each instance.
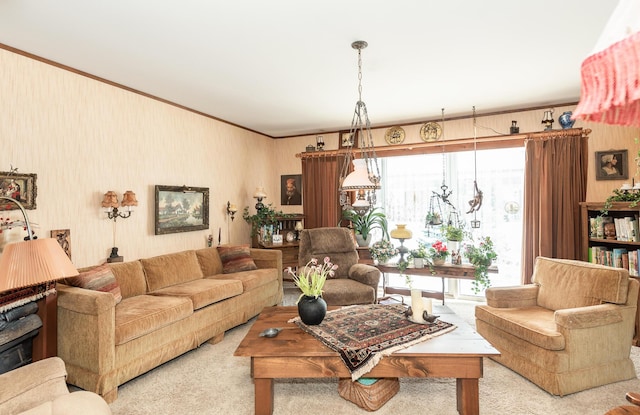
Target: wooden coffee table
(296, 354)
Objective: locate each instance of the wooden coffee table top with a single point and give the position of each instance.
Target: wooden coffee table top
(293, 342)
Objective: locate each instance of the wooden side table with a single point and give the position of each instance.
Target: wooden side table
(289, 253)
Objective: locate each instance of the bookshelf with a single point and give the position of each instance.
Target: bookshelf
(607, 239)
(595, 238)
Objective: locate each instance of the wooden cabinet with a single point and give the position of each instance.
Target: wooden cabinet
(594, 240)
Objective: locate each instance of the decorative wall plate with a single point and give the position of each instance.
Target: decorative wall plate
(430, 131)
(394, 135)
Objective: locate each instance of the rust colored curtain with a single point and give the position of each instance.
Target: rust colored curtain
(320, 190)
(555, 183)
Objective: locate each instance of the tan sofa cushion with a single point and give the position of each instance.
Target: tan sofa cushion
(568, 284)
(204, 291)
(250, 279)
(171, 269)
(130, 277)
(209, 260)
(535, 325)
(137, 316)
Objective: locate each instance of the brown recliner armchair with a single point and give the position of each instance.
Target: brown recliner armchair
(353, 283)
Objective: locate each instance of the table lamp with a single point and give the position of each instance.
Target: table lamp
(401, 233)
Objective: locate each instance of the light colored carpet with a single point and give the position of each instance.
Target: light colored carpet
(210, 380)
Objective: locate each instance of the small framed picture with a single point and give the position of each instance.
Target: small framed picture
(181, 209)
(63, 236)
(612, 165)
(291, 189)
(21, 187)
(347, 139)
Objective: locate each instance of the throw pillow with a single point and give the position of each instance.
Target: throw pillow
(100, 278)
(236, 258)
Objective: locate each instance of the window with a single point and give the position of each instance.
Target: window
(409, 182)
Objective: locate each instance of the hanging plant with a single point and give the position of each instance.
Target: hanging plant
(481, 257)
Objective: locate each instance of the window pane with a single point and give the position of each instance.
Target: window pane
(409, 182)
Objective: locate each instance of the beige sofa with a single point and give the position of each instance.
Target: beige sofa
(39, 388)
(170, 304)
(570, 330)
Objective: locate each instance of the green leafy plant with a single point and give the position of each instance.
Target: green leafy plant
(419, 252)
(363, 224)
(620, 196)
(453, 232)
(311, 278)
(481, 257)
(267, 216)
(433, 218)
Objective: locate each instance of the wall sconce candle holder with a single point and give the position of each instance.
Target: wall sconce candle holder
(259, 194)
(110, 203)
(231, 210)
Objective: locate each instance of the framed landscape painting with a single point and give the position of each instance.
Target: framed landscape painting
(181, 209)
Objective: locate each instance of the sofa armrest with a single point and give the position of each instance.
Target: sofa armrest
(588, 317)
(31, 385)
(366, 274)
(515, 296)
(86, 328)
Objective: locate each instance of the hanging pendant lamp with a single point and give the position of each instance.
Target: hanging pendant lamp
(364, 180)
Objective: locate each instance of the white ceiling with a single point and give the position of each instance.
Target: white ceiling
(286, 67)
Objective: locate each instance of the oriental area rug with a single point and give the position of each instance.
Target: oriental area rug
(363, 334)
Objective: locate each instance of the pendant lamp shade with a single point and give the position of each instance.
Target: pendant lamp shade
(610, 76)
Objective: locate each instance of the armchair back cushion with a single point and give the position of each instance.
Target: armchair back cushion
(336, 243)
(563, 286)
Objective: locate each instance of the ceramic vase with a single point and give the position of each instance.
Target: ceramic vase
(312, 310)
(565, 120)
(362, 243)
(418, 262)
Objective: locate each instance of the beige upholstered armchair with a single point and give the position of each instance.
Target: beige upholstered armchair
(570, 330)
(40, 388)
(353, 283)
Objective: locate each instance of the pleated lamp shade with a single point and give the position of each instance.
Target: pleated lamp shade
(33, 262)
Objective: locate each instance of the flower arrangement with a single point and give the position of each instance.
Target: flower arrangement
(311, 278)
(481, 257)
(438, 250)
(382, 250)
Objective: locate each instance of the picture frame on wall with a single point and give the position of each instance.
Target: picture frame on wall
(346, 139)
(63, 236)
(612, 165)
(181, 209)
(21, 187)
(291, 190)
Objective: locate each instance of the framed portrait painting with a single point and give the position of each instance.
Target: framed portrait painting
(291, 189)
(612, 165)
(346, 139)
(181, 209)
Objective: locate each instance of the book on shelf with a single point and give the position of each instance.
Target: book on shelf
(633, 263)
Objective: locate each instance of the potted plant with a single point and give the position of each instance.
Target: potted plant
(310, 280)
(454, 235)
(481, 257)
(364, 224)
(433, 218)
(418, 255)
(382, 251)
(438, 253)
(265, 217)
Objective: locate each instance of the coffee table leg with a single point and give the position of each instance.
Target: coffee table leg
(468, 396)
(264, 396)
